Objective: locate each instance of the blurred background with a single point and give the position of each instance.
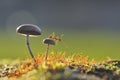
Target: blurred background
(90, 27)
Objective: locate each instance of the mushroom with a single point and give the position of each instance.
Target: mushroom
(29, 30)
(49, 42)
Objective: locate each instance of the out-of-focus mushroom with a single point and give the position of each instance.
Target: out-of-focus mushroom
(49, 42)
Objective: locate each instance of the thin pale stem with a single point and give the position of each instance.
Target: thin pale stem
(28, 46)
(47, 52)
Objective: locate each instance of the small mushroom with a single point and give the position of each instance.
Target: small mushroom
(49, 42)
(29, 30)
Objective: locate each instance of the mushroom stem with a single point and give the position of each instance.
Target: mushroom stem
(28, 46)
(47, 52)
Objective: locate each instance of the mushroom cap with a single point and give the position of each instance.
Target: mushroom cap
(49, 41)
(28, 29)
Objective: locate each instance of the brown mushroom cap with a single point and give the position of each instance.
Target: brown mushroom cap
(29, 29)
(49, 41)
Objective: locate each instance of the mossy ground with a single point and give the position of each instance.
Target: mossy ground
(61, 67)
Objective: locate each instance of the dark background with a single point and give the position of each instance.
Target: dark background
(77, 14)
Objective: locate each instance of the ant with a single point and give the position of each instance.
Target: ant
(55, 37)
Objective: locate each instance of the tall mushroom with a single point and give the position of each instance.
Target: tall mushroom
(29, 30)
(49, 42)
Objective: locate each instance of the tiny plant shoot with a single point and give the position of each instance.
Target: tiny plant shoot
(29, 30)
